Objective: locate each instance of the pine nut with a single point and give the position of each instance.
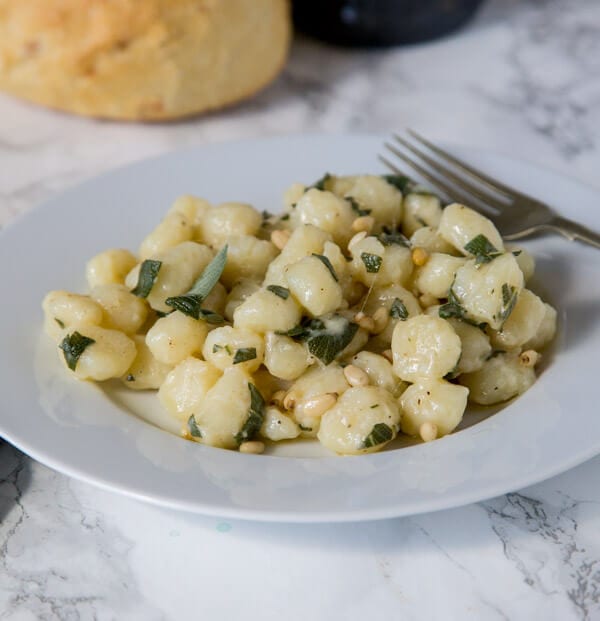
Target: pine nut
(280, 238)
(357, 238)
(420, 256)
(363, 223)
(317, 406)
(355, 376)
(428, 431)
(289, 401)
(278, 397)
(381, 318)
(388, 355)
(364, 321)
(252, 447)
(529, 358)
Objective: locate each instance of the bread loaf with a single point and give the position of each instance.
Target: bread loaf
(140, 59)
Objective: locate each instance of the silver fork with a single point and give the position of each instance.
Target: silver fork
(516, 214)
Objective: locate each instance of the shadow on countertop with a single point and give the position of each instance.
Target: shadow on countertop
(15, 476)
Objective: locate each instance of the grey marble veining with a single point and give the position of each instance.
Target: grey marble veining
(523, 79)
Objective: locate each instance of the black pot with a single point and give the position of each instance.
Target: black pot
(379, 23)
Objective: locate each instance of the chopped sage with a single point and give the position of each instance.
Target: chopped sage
(379, 434)
(59, 322)
(327, 263)
(130, 378)
(190, 302)
(451, 308)
(482, 249)
(256, 415)
(303, 428)
(216, 348)
(356, 208)
(389, 237)
(321, 184)
(281, 292)
(372, 262)
(193, 427)
(398, 310)
(285, 216)
(146, 278)
(400, 182)
(244, 354)
(509, 299)
(323, 341)
(73, 345)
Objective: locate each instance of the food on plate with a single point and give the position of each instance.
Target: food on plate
(366, 309)
(150, 60)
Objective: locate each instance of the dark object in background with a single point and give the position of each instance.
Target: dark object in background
(379, 23)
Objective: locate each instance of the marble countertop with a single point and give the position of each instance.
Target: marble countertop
(522, 79)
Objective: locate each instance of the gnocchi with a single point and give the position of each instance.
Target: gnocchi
(361, 312)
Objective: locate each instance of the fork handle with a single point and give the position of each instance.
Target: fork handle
(573, 230)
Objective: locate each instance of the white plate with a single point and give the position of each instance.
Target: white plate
(79, 429)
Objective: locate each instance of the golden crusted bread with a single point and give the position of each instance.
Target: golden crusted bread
(140, 59)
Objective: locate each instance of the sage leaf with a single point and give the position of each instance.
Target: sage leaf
(73, 345)
(482, 249)
(379, 434)
(256, 415)
(400, 182)
(372, 262)
(398, 310)
(190, 303)
(356, 208)
(327, 263)
(193, 427)
(389, 237)
(244, 354)
(281, 292)
(321, 184)
(509, 299)
(327, 345)
(210, 276)
(146, 278)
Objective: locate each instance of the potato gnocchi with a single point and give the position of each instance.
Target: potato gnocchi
(366, 309)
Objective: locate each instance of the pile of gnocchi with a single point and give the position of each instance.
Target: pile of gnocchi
(363, 310)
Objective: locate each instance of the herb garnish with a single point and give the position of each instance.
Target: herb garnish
(482, 249)
(281, 292)
(146, 278)
(400, 182)
(190, 302)
(452, 308)
(59, 322)
(193, 427)
(356, 208)
(322, 343)
(321, 183)
(244, 354)
(73, 345)
(389, 237)
(256, 415)
(379, 434)
(327, 263)
(509, 299)
(372, 262)
(398, 310)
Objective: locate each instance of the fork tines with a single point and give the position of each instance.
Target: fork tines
(452, 177)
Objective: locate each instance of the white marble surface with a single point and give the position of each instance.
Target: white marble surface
(523, 79)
